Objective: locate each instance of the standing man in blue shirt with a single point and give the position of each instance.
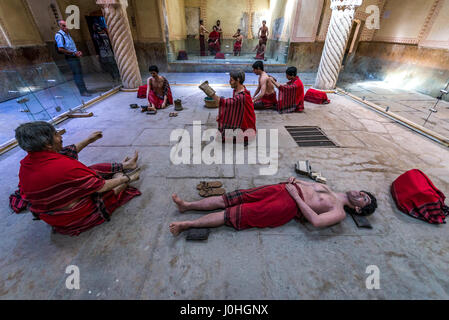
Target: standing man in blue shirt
(67, 46)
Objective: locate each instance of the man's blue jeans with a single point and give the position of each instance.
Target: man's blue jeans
(75, 66)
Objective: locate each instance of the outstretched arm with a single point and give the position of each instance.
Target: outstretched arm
(274, 82)
(91, 139)
(323, 220)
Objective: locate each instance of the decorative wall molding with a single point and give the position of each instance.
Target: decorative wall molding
(361, 15)
(425, 31)
(203, 11)
(430, 20)
(423, 34)
(294, 38)
(250, 10)
(368, 34)
(382, 14)
(401, 40)
(435, 44)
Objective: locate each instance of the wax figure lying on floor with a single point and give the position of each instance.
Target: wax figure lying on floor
(62, 191)
(275, 205)
(236, 112)
(158, 90)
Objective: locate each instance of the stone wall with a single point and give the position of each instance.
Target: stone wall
(409, 66)
(305, 56)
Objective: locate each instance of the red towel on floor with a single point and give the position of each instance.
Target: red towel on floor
(142, 92)
(291, 96)
(418, 197)
(316, 96)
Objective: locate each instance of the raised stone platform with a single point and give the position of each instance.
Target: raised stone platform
(210, 64)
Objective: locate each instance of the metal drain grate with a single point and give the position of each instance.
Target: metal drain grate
(310, 137)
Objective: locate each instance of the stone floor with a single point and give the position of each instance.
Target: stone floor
(409, 104)
(135, 257)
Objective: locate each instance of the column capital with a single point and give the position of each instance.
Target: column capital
(343, 4)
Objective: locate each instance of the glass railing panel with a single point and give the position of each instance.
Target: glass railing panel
(18, 104)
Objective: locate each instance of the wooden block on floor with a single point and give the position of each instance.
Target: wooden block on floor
(80, 115)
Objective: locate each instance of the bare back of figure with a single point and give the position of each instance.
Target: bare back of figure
(269, 87)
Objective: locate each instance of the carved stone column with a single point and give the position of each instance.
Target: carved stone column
(337, 37)
(121, 38)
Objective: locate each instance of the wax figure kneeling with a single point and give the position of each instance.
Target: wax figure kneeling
(62, 191)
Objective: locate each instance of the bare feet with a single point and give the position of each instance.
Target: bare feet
(131, 164)
(182, 205)
(177, 227)
(135, 175)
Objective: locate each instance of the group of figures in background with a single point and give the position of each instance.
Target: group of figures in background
(215, 40)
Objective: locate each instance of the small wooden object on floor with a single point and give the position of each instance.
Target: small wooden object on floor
(80, 115)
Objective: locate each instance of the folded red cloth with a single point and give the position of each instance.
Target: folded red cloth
(316, 96)
(142, 92)
(219, 55)
(416, 195)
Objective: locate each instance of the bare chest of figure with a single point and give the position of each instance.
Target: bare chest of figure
(318, 197)
(157, 85)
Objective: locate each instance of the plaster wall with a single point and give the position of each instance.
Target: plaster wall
(176, 19)
(18, 24)
(402, 21)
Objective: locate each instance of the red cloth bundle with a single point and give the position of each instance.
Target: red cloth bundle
(417, 196)
(316, 96)
(142, 92)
